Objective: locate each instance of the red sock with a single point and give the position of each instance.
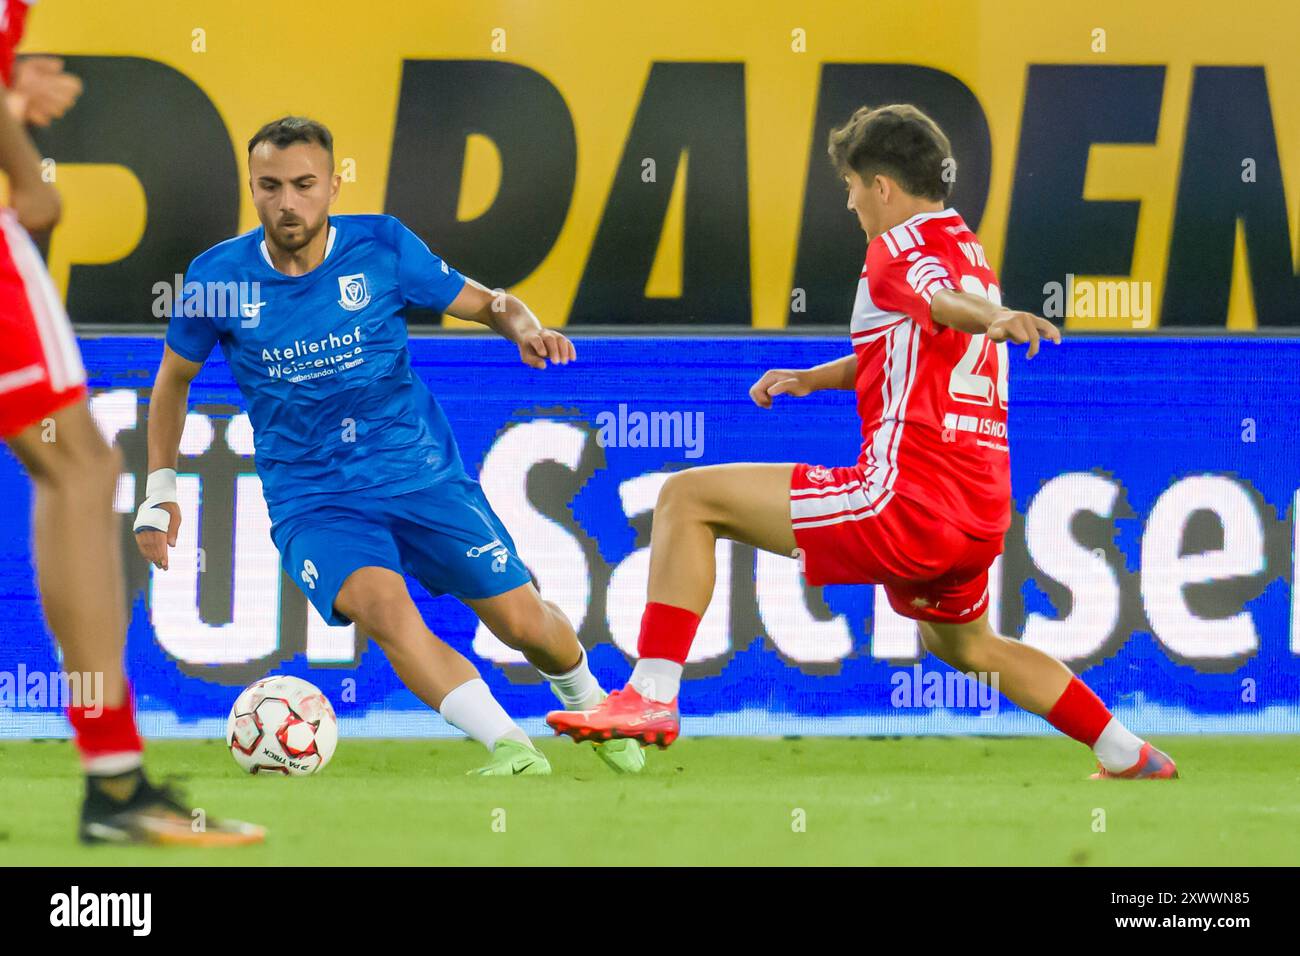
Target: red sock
(1079, 713)
(667, 632)
(107, 738)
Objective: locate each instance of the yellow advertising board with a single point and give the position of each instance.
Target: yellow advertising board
(665, 163)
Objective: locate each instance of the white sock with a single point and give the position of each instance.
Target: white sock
(576, 688)
(657, 679)
(113, 765)
(472, 708)
(1117, 748)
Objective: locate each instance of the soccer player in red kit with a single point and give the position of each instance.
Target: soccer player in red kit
(46, 422)
(925, 509)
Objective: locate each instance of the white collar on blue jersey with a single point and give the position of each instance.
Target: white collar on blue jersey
(266, 253)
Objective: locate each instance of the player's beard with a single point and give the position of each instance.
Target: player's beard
(303, 235)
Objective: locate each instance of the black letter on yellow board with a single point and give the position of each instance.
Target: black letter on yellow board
(831, 244)
(441, 103)
(1230, 120)
(156, 122)
(698, 108)
(1051, 229)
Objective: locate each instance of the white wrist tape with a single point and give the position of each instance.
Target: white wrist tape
(160, 488)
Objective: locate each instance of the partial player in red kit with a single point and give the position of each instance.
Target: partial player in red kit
(46, 422)
(925, 509)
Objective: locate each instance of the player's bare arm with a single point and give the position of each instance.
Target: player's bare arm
(35, 201)
(167, 407)
(979, 316)
(798, 382)
(507, 315)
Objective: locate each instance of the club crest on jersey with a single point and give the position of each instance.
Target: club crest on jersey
(354, 294)
(819, 474)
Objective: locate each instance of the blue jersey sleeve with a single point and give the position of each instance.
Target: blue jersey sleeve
(191, 333)
(425, 280)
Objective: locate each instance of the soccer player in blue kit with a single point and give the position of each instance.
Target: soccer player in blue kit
(361, 474)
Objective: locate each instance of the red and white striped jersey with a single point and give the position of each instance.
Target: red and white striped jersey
(932, 399)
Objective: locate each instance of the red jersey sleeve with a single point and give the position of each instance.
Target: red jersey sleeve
(904, 274)
(13, 20)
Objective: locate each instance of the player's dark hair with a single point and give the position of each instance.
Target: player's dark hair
(288, 130)
(897, 141)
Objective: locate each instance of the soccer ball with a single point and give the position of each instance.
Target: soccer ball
(282, 725)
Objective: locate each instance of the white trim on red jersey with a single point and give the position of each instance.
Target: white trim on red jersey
(901, 348)
(21, 378)
(921, 217)
(928, 276)
(58, 342)
(851, 501)
(904, 379)
(869, 320)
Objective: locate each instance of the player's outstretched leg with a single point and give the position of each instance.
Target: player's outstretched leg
(377, 601)
(1042, 685)
(74, 474)
(746, 503)
(521, 619)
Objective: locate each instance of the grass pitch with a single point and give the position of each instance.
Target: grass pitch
(856, 801)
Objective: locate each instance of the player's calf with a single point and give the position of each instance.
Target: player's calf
(1042, 685)
(522, 619)
(376, 600)
(541, 631)
(75, 532)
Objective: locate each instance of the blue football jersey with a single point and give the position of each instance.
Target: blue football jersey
(322, 359)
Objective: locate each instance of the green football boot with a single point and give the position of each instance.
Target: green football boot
(621, 756)
(512, 759)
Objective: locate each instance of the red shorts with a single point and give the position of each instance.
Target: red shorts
(851, 531)
(40, 366)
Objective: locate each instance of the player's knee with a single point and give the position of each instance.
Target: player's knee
(942, 646)
(522, 625)
(935, 644)
(88, 469)
(385, 624)
(679, 497)
(965, 648)
(379, 612)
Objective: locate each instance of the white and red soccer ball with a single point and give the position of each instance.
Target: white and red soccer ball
(282, 725)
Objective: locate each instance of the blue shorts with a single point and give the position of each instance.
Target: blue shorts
(446, 536)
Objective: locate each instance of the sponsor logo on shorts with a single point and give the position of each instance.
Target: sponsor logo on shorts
(923, 603)
(820, 474)
(500, 554)
(974, 607)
